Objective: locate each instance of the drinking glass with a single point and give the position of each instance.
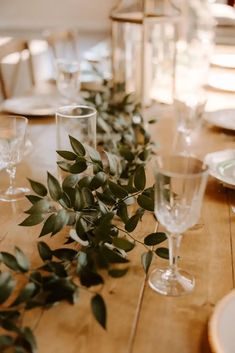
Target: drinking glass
(68, 79)
(180, 183)
(12, 146)
(189, 112)
(78, 121)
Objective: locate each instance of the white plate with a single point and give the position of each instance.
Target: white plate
(223, 81)
(224, 60)
(222, 118)
(40, 105)
(221, 325)
(222, 166)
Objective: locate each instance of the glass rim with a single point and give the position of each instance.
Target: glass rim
(193, 175)
(59, 113)
(10, 116)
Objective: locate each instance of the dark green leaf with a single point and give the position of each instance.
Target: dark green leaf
(146, 202)
(98, 180)
(22, 260)
(89, 278)
(112, 256)
(65, 254)
(54, 187)
(70, 181)
(87, 197)
(123, 244)
(116, 273)
(44, 251)
(55, 267)
(38, 188)
(113, 163)
(132, 222)
(81, 229)
(78, 167)
(29, 337)
(68, 155)
(10, 261)
(48, 225)
(155, 238)
(99, 309)
(33, 198)
(25, 294)
(77, 146)
(146, 259)
(117, 190)
(94, 155)
(61, 220)
(42, 206)
(140, 178)
(122, 212)
(6, 341)
(163, 253)
(32, 220)
(7, 284)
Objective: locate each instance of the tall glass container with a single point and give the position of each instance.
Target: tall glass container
(143, 48)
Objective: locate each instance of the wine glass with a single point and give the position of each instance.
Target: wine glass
(12, 146)
(180, 183)
(189, 113)
(68, 79)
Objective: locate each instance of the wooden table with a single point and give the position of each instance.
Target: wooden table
(139, 320)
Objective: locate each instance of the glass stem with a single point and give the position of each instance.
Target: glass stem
(174, 241)
(11, 172)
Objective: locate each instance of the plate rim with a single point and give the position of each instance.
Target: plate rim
(208, 117)
(213, 172)
(8, 109)
(213, 322)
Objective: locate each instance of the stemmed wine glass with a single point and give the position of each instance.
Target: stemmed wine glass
(12, 146)
(180, 183)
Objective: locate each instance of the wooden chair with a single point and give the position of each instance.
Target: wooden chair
(14, 46)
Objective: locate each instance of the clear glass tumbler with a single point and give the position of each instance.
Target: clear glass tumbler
(179, 188)
(78, 121)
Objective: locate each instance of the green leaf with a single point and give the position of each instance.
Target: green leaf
(163, 253)
(54, 187)
(22, 260)
(140, 178)
(38, 188)
(87, 197)
(29, 337)
(61, 220)
(48, 226)
(89, 278)
(42, 206)
(32, 220)
(132, 222)
(94, 154)
(25, 294)
(146, 202)
(6, 341)
(99, 309)
(126, 153)
(113, 163)
(122, 212)
(78, 202)
(112, 256)
(10, 261)
(146, 259)
(33, 198)
(117, 190)
(123, 244)
(70, 181)
(81, 229)
(103, 228)
(68, 155)
(77, 146)
(155, 238)
(98, 180)
(7, 284)
(116, 273)
(78, 167)
(65, 254)
(44, 251)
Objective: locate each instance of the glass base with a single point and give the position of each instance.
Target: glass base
(167, 282)
(13, 194)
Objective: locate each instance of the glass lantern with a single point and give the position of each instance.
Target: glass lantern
(144, 36)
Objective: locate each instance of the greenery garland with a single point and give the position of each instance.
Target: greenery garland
(100, 203)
